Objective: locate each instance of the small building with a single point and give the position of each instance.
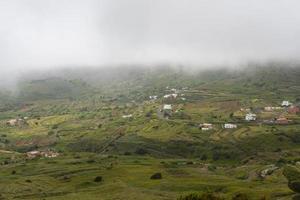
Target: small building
(271, 108)
(16, 122)
(206, 126)
(230, 126)
(33, 154)
(153, 97)
(281, 120)
(174, 96)
(46, 154)
(127, 116)
(250, 117)
(245, 109)
(50, 154)
(285, 103)
(294, 110)
(167, 107)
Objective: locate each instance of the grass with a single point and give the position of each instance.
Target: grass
(87, 128)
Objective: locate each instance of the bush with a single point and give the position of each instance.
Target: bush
(55, 126)
(240, 196)
(291, 173)
(156, 176)
(98, 179)
(127, 153)
(141, 151)
(294, 185)
(293, 176)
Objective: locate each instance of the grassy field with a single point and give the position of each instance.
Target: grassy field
(83, 121)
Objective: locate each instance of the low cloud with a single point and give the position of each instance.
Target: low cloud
(58, 33)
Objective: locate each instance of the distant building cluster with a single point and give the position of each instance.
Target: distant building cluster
(46, 154)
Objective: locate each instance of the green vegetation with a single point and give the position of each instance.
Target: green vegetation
(104, 154)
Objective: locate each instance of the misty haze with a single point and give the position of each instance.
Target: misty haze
(149, 99)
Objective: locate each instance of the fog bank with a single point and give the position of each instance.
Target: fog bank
(58, 33)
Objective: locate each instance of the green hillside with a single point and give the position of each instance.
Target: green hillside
(102, 123)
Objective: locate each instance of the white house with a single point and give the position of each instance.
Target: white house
(170, 96)
(271, 108)
(127, 116)
(229, 126)
(153, 97)
(250, 117)
(206, 126)
(167, 107)
(285, 103)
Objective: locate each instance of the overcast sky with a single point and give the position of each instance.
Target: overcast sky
(57, 33)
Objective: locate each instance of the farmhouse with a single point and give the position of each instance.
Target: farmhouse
(206, 126)
(230, 126)
(153, 97)
(285, 103)
(127, 116)
(282, 120)
(46, 154)
(33, 154)
(170, 96)
(16, 122)
(270, 108)
(167, 107)
(250, 117)
(294, 110)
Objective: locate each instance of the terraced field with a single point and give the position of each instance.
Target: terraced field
(94, 139)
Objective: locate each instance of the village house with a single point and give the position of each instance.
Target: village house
(127, 116)
(281, 120)
(170, 96)
(206, 126)
(33, 154)
(230, 126)
(15, 122)
(46, 154)
(271, 108)
(285, 103)
(50, 154)
(245, 109)
(294, 110)
(173, 90)
(250, 117)
(153, 97)
(167, 107)
(167, 110)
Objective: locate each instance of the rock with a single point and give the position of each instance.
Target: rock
(156, 176)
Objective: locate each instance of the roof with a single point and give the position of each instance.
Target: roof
(167, 107)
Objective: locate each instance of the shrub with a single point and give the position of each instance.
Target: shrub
(127, 153)
(293, 176)
(55, 126)
(98, 179)
(13, 172)
(156, 176)
(294, 185)
(203, 157)
(240, 196)
(141, 151)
